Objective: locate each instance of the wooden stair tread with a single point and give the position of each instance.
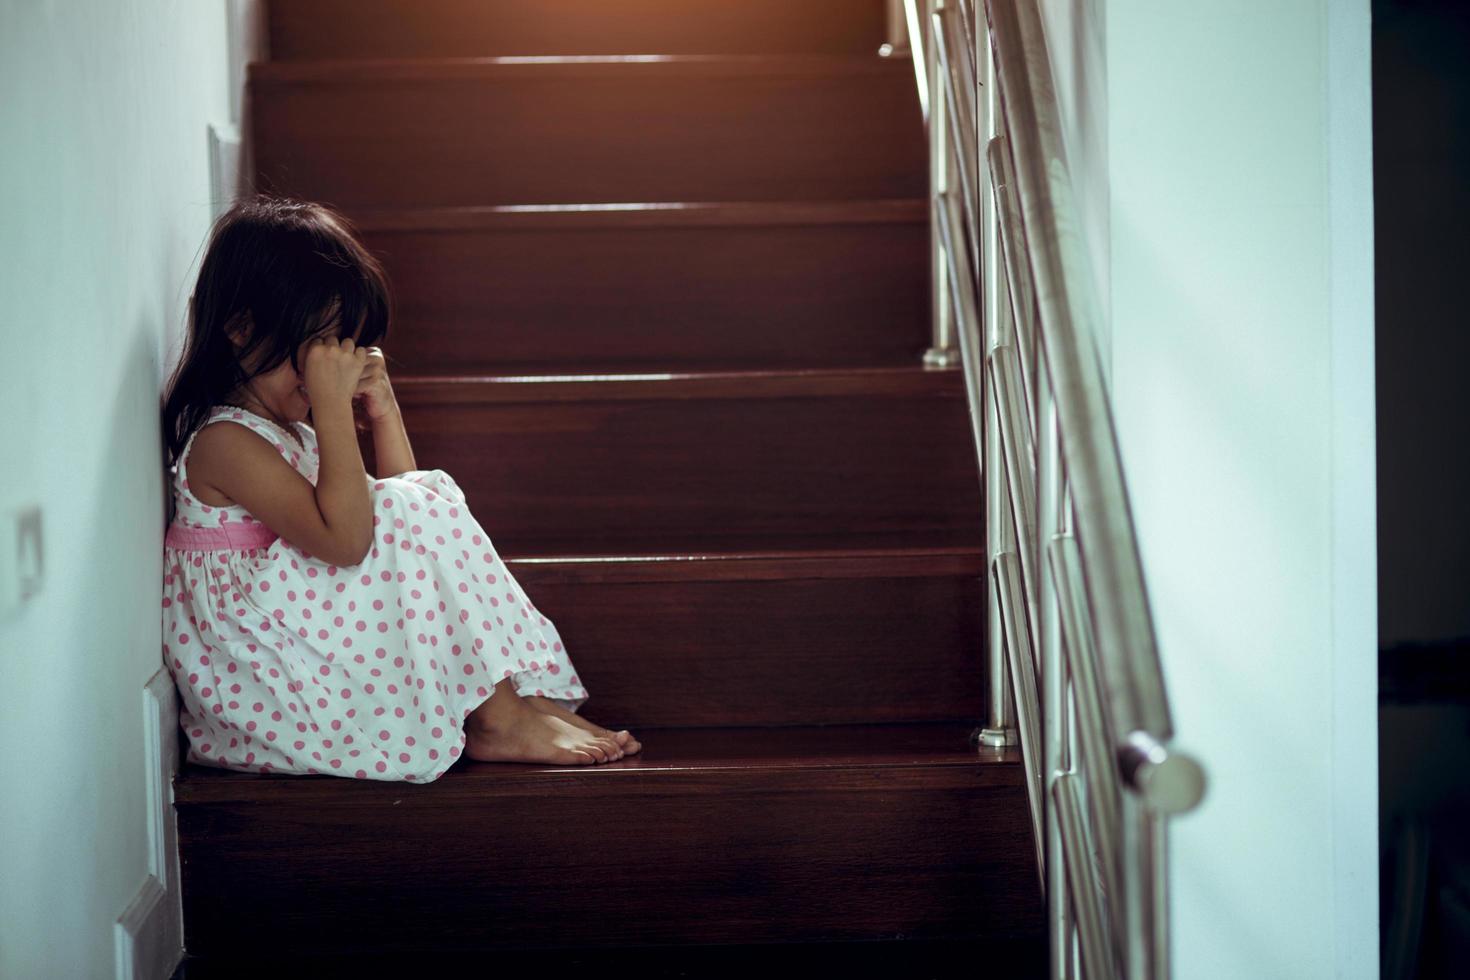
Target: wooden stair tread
(370, 71)
(874, 553)
(897, 381)
(763, 835)
(304, 29)
(1012, 958)
(812, 757)
(641, 214)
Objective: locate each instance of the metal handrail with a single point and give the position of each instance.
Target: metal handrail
(1067, 598)
(1110, 551)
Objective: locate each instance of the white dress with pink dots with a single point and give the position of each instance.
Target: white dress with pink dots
(286, 663)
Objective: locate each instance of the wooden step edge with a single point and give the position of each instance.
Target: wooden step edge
(354, 71)
(614, 215)
(924, 756)
(895, 381)
(1011, 955)
(709, 564)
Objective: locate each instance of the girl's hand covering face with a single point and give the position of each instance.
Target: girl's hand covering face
(376, 394)
(332, 369)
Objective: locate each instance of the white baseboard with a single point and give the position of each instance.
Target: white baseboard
(149, 935)
(224, 167)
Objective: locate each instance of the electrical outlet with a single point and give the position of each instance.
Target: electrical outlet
(22, 561)
(28, 531)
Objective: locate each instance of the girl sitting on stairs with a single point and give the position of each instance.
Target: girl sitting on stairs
(318, 619)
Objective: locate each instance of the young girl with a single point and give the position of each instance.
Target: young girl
(318, 619)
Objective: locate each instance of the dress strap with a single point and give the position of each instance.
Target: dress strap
(271, 430)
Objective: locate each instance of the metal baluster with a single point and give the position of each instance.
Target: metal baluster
(1138, 889)
(1157, 842)
(1056, 759)
(1004, 387)
(1097, 960)
(942, 352)
(960, 101)
(1005, 582)
(1019, 280)
(1099, 768)
(1000, 728)
(914, 19)
(1008, 387)
(896, 30)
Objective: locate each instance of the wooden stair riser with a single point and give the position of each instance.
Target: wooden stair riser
(609, 471)
(306, 29)
(481, 134)
(872, 648)
(528, 300)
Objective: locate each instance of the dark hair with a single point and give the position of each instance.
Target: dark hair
(284, 271)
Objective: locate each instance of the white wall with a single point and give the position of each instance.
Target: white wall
(104, 204)
(1241, 276)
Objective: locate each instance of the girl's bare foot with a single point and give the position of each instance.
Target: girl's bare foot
(506, 729)
(623, 737)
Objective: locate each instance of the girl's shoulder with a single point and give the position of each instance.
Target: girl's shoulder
(225, 454)
(211, 440)
(214, 444)
(294, 443)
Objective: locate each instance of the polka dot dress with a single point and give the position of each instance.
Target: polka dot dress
(286, 663)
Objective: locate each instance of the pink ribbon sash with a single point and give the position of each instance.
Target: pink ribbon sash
(230, 536)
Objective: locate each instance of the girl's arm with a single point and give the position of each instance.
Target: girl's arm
(343, 503)
(390, 441)
(390, 444)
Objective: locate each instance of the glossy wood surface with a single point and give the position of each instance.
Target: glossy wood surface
(864, 647)
(325, 29)
(505, 131)
(1011, 958)
(834, 756)
(804, 452)
(771, 834)
(654, 287)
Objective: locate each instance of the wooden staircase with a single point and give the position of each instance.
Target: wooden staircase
(662, 319)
